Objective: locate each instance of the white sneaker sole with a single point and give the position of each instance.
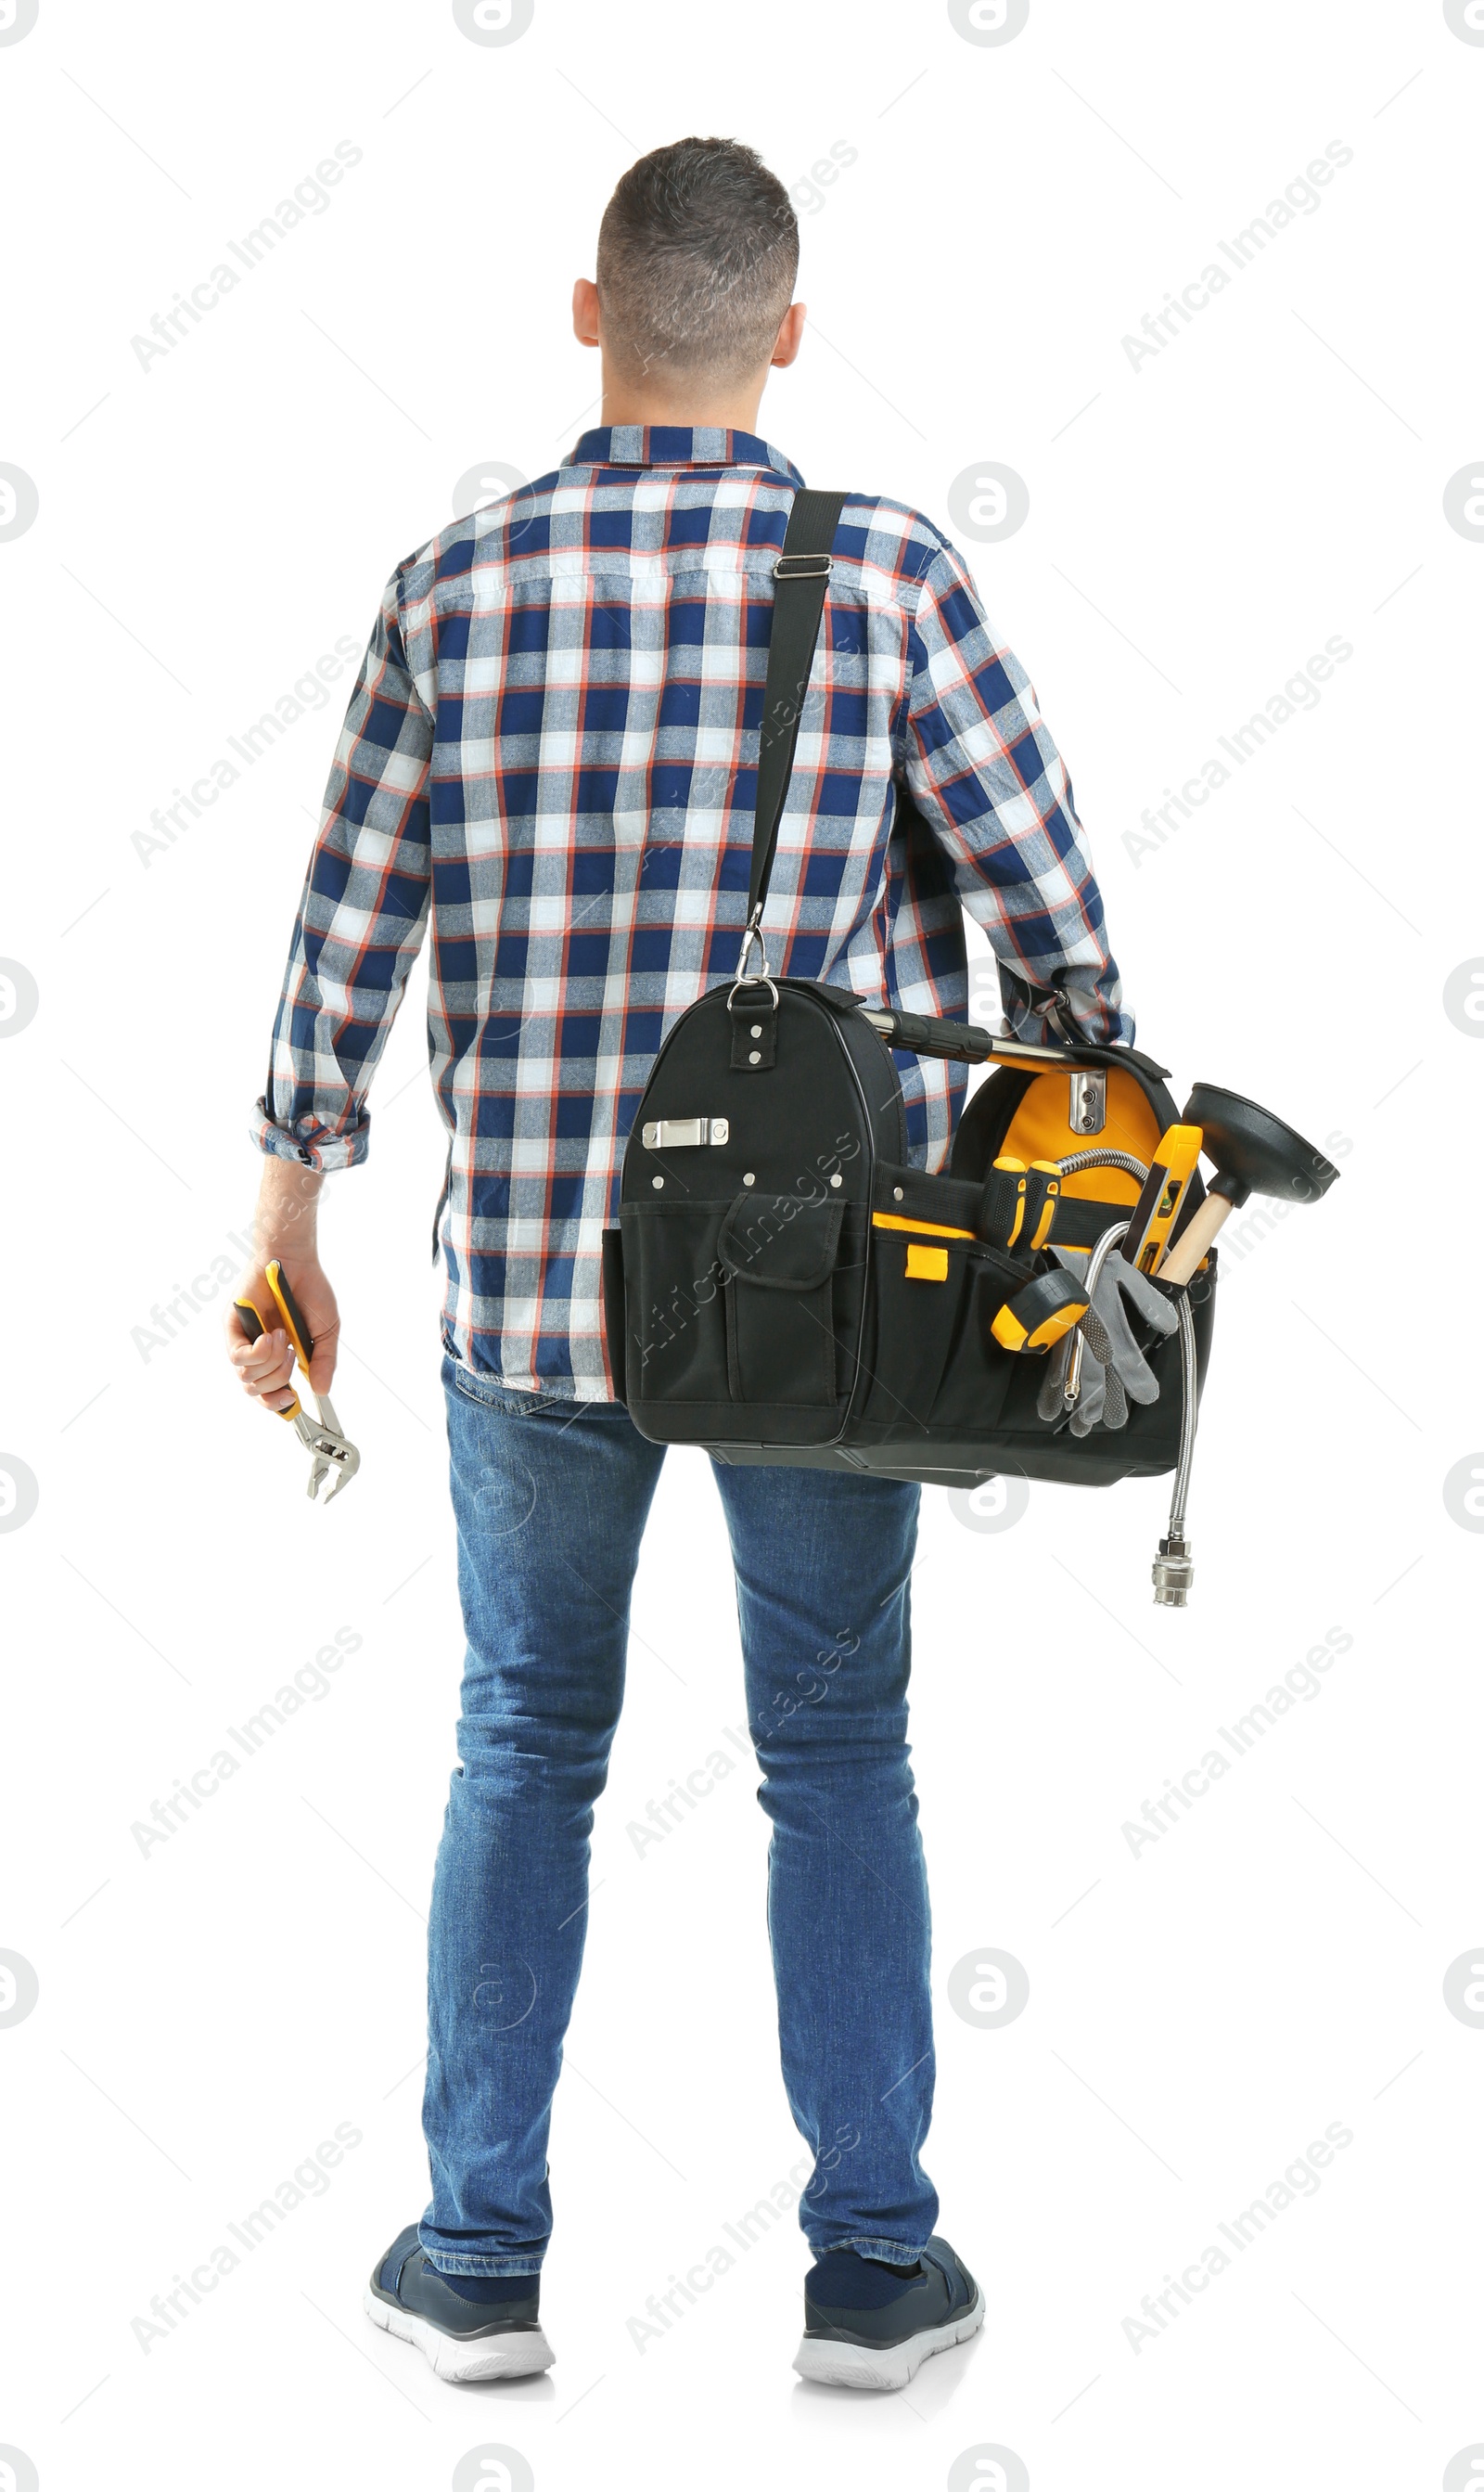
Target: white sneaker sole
(883, 2367)
(513, 2357)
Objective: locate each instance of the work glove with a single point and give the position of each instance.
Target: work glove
(1092, 1401)
(1114, 1370)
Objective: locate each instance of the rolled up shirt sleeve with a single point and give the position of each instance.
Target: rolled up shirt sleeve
(361, 915)
(983, 770)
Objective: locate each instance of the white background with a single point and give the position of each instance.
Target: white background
(1198, 528)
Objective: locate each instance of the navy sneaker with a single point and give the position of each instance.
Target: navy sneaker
(497, 2336)
(868, 2326)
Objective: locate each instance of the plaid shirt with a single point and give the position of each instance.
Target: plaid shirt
(551, 750)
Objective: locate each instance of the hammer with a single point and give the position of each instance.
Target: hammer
(1252, 1152)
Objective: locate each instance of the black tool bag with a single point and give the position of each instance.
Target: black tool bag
(782, 1287)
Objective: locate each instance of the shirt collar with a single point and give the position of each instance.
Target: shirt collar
(677, 445)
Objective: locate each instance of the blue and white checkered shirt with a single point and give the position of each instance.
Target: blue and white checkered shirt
(551, 751)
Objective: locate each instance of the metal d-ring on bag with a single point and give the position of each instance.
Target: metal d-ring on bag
(783, 1285)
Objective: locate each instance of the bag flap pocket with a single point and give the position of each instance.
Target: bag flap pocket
(780, 1242)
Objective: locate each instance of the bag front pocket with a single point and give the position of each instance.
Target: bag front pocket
(675, 1288)
(778, 1255)
(930, 1361)
(977, 1374)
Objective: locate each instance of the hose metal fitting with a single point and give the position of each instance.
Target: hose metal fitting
(1173, 1572)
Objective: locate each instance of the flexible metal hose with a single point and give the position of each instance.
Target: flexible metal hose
(1072, 1386)
(1190, 1383)
(1124, 1160)
(1073, 1165)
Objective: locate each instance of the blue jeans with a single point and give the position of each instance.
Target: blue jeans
(551, 1499)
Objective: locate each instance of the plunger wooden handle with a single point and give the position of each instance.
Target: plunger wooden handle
(1189, 1248)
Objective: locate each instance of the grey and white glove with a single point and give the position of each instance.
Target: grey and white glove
(1087, 1411)
(1114, 1370)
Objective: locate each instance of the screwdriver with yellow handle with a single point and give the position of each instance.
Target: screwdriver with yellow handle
(330, 1450)
(1037, 1189)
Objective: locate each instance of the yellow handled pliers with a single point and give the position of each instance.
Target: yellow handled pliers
(330, 1450)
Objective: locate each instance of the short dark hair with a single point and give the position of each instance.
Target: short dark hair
(698, 253)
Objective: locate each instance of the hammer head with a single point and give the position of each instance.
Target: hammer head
(1253, 1151)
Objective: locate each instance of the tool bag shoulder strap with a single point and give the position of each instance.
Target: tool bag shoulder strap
(799, 579)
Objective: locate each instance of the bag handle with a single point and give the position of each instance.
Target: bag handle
(965, 1042)
(800, 575)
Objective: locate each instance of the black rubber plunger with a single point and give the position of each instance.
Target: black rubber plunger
(1252, 1152)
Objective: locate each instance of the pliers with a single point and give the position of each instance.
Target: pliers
(330, 1450)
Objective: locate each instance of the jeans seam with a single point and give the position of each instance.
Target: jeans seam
(874, 2246)
(461, 2263)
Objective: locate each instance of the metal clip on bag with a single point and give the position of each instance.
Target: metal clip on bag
(783, 1288)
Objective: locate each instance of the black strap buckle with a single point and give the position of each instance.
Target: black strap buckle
(803, 566)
